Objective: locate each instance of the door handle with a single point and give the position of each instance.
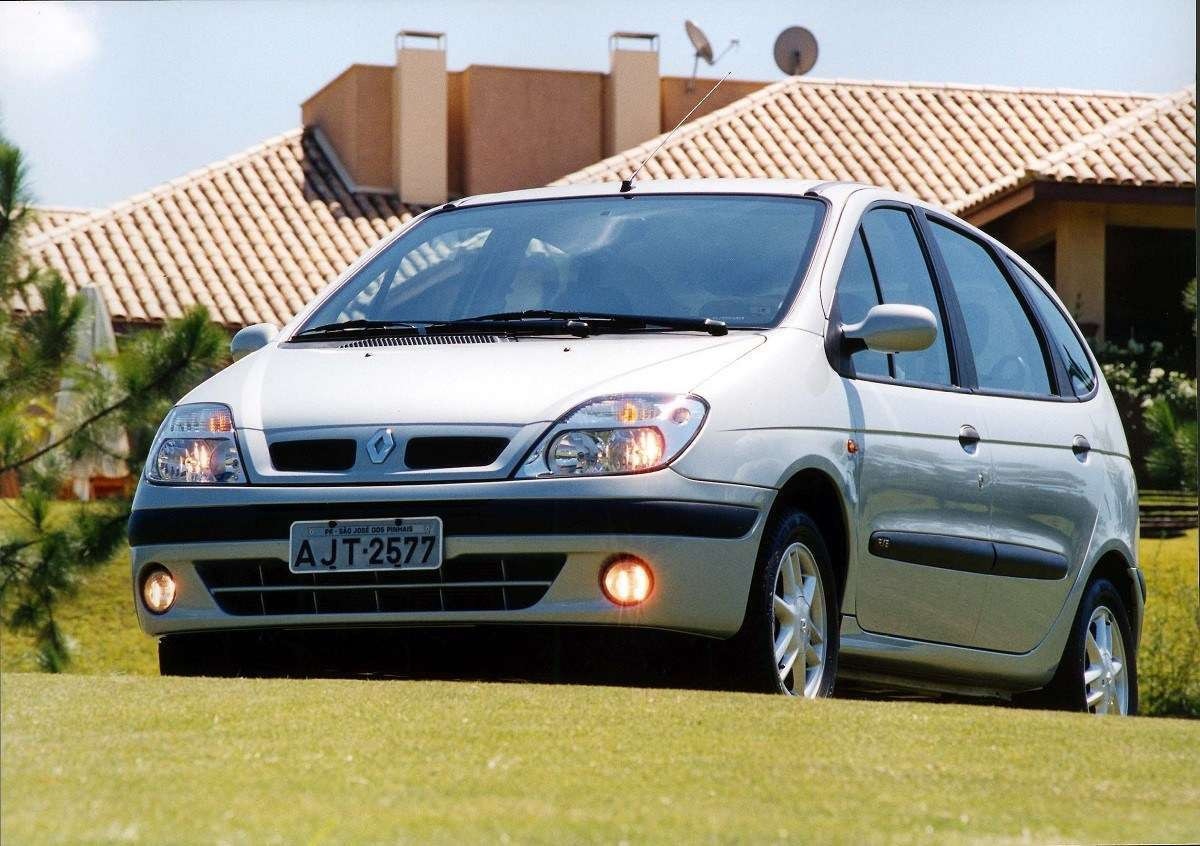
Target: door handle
(1080, 446)
(968, 436)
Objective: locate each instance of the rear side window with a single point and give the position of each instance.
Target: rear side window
(1008, 355)
(902, 276)
(1062, 337)
(856, 294)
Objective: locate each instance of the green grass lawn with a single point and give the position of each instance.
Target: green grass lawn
(1169, 655)
(155, 760)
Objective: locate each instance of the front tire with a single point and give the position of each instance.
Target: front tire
(789, 639)
(1098, 671)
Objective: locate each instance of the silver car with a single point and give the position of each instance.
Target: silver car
(830, 424)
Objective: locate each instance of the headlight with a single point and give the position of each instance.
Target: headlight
(629, 433)
(196, 446)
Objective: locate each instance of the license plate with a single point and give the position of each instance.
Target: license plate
(408, 543)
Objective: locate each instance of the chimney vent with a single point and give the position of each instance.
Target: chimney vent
(632, 113)
(419, 119)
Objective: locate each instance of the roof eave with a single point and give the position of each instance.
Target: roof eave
(1027, 191)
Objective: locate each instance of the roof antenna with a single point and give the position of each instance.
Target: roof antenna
(627, 184)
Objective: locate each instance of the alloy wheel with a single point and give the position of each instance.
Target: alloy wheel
(1105, 679)
(800, 622)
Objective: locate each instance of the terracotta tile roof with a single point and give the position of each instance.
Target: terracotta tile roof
(45, 218)
(1154, 145)
(253, 237)
(951, 144)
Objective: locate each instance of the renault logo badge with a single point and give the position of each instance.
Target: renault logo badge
(380, 446)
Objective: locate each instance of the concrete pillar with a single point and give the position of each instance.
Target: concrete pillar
(1079, 263)
(632, 97)
(420, 119)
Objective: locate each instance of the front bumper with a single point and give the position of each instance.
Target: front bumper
(701, 538)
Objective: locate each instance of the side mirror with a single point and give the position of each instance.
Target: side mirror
(893, 329)
(252, 338)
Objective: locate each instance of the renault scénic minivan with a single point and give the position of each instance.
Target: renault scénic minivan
(833, 425)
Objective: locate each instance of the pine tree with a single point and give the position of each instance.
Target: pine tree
(42, 558)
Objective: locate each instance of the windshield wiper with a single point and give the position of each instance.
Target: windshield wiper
(594, 322)
(526, 323)
(354, 327)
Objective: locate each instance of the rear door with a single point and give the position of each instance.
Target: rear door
(1042, 511)
(923, 516)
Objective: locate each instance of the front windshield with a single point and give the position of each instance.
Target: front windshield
(732, 258)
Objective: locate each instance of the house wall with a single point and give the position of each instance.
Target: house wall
(521, 127)
(354, 111)
(676, 100)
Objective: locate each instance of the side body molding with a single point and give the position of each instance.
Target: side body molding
(971, 555)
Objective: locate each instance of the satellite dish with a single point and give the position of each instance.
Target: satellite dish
(704, 49)
(796, 51)
(700, 41)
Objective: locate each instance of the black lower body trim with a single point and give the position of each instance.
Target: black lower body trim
(969, 555)
(946, 552)
(1026, 562)
(459, 517)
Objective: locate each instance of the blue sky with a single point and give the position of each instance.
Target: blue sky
(111, 99)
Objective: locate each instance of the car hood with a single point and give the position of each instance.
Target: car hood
(509, 382)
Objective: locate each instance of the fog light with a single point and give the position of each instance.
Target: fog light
(158, 590)
(627, 580)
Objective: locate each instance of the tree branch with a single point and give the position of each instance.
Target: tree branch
(99, 415)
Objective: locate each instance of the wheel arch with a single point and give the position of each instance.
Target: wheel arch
(815, 492)
(1114, 565)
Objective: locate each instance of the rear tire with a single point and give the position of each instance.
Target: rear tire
(789, 639)
(1098, 671)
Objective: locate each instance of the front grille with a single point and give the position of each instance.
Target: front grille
(255, 587)
(420, 340)
(327, 455)
(442, 453)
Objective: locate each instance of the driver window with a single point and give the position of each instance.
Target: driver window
(856, 295)
(1008, 355)
(903, 276)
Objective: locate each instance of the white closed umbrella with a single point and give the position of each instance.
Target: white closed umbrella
(94, 339)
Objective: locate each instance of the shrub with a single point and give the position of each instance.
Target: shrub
(1171, 459)
(1138, 383)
